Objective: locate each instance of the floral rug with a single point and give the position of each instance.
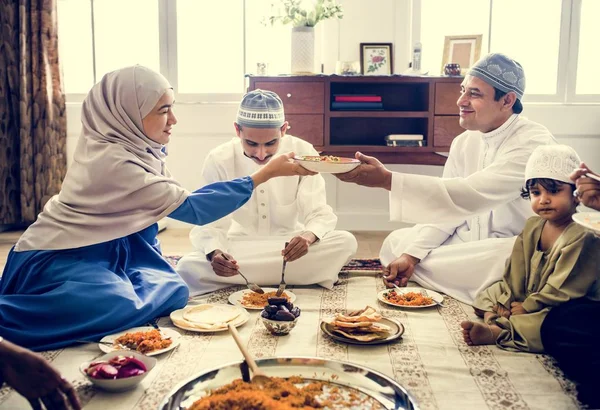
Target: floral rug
(355, 265)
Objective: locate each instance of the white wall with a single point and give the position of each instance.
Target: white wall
(204, 126)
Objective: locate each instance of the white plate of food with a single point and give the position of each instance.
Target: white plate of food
(256, 301)
(209, 317)
(362, 327)
(590, 220)
(144, 339)
(328, 164)
(411, 297)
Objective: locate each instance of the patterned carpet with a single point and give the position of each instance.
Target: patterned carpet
(431, 359)
(355, 265)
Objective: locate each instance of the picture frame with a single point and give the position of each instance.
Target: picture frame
(463, 50)
(376, 59)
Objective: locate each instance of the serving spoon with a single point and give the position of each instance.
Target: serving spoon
(258, 376)
(252, 286)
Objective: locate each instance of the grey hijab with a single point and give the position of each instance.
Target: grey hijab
(118, 183)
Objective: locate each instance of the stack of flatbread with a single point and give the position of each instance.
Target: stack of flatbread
(361, 325)
(208, 317)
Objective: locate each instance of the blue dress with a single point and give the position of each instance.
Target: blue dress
(51, 298)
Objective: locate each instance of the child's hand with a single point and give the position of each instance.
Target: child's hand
(500, 310)
(516, 308)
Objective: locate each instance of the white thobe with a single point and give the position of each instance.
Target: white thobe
(476, 207)
(256, 233)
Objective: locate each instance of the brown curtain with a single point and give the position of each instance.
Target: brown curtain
(33, 129)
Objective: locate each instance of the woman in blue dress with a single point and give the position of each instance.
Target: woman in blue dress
(91, 264)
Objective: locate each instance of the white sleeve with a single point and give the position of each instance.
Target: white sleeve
(419, 198)
(432, 236)
(212, 236)
(317, 216)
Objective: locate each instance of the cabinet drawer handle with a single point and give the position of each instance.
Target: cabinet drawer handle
(289, 95)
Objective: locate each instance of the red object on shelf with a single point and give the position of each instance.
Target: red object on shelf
(357, 98)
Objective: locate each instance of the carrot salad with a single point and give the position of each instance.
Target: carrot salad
(407, 299)
(281, 394)
(143, 342)
(253, 299)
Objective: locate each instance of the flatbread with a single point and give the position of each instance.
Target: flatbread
(361, 337)
(368, 314)
(207, 316)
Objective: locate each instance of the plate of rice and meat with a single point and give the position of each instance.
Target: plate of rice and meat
(362, 327)
(328, 164)
(257, 301)
(145, 339)
(294, 382)
(410, 297)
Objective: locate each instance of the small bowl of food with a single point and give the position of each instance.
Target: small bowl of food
(119, 370)
(327, 163)
(280, 316)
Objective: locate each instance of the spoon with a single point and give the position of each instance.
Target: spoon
(258, 376)
(252, 286)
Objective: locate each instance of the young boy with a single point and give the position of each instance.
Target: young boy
(553, 260)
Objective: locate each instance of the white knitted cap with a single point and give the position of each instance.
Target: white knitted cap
(552, 161)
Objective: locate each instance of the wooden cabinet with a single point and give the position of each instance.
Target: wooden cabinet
(411, 105)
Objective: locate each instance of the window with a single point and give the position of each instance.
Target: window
(542, 35)
(113, 39)
(210, 46)
(75, 45)
(587, 76)
(503, 31)
(266, 43)
(440, 18)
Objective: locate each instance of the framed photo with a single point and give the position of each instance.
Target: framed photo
(376, 59)
(462, 50)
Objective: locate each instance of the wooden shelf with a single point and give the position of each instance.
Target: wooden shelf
(411, 105)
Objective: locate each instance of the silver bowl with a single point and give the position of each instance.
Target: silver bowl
(381, 389)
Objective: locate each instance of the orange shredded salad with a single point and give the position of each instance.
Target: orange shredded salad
(143, 342)
(279, 394)
(407, 299)
(253, 299)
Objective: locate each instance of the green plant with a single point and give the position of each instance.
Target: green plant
(305, 12)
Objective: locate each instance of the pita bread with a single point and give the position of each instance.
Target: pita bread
(207, 316)
(362, 337)
(368, 314)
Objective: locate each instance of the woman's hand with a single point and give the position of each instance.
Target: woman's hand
(588, 189)
(280, 166)
(35, 379)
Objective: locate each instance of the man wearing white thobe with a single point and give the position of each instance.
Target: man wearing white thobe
(288, 209)
(476, 205)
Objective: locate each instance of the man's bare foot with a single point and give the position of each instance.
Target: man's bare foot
(479, 333)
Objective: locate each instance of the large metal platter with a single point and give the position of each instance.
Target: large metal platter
(380, 389)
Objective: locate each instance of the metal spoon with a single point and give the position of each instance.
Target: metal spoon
(252, 286)
(258, 376)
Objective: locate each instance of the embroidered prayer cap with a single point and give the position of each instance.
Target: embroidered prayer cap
(501, 72)
(552, 161)
(261, 109)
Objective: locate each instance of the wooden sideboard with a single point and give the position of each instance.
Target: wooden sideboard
(411, 105)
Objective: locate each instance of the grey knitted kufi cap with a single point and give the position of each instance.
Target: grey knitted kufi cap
(261, 109)
(501, 72)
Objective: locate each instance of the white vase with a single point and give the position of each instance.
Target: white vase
(303, 50)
